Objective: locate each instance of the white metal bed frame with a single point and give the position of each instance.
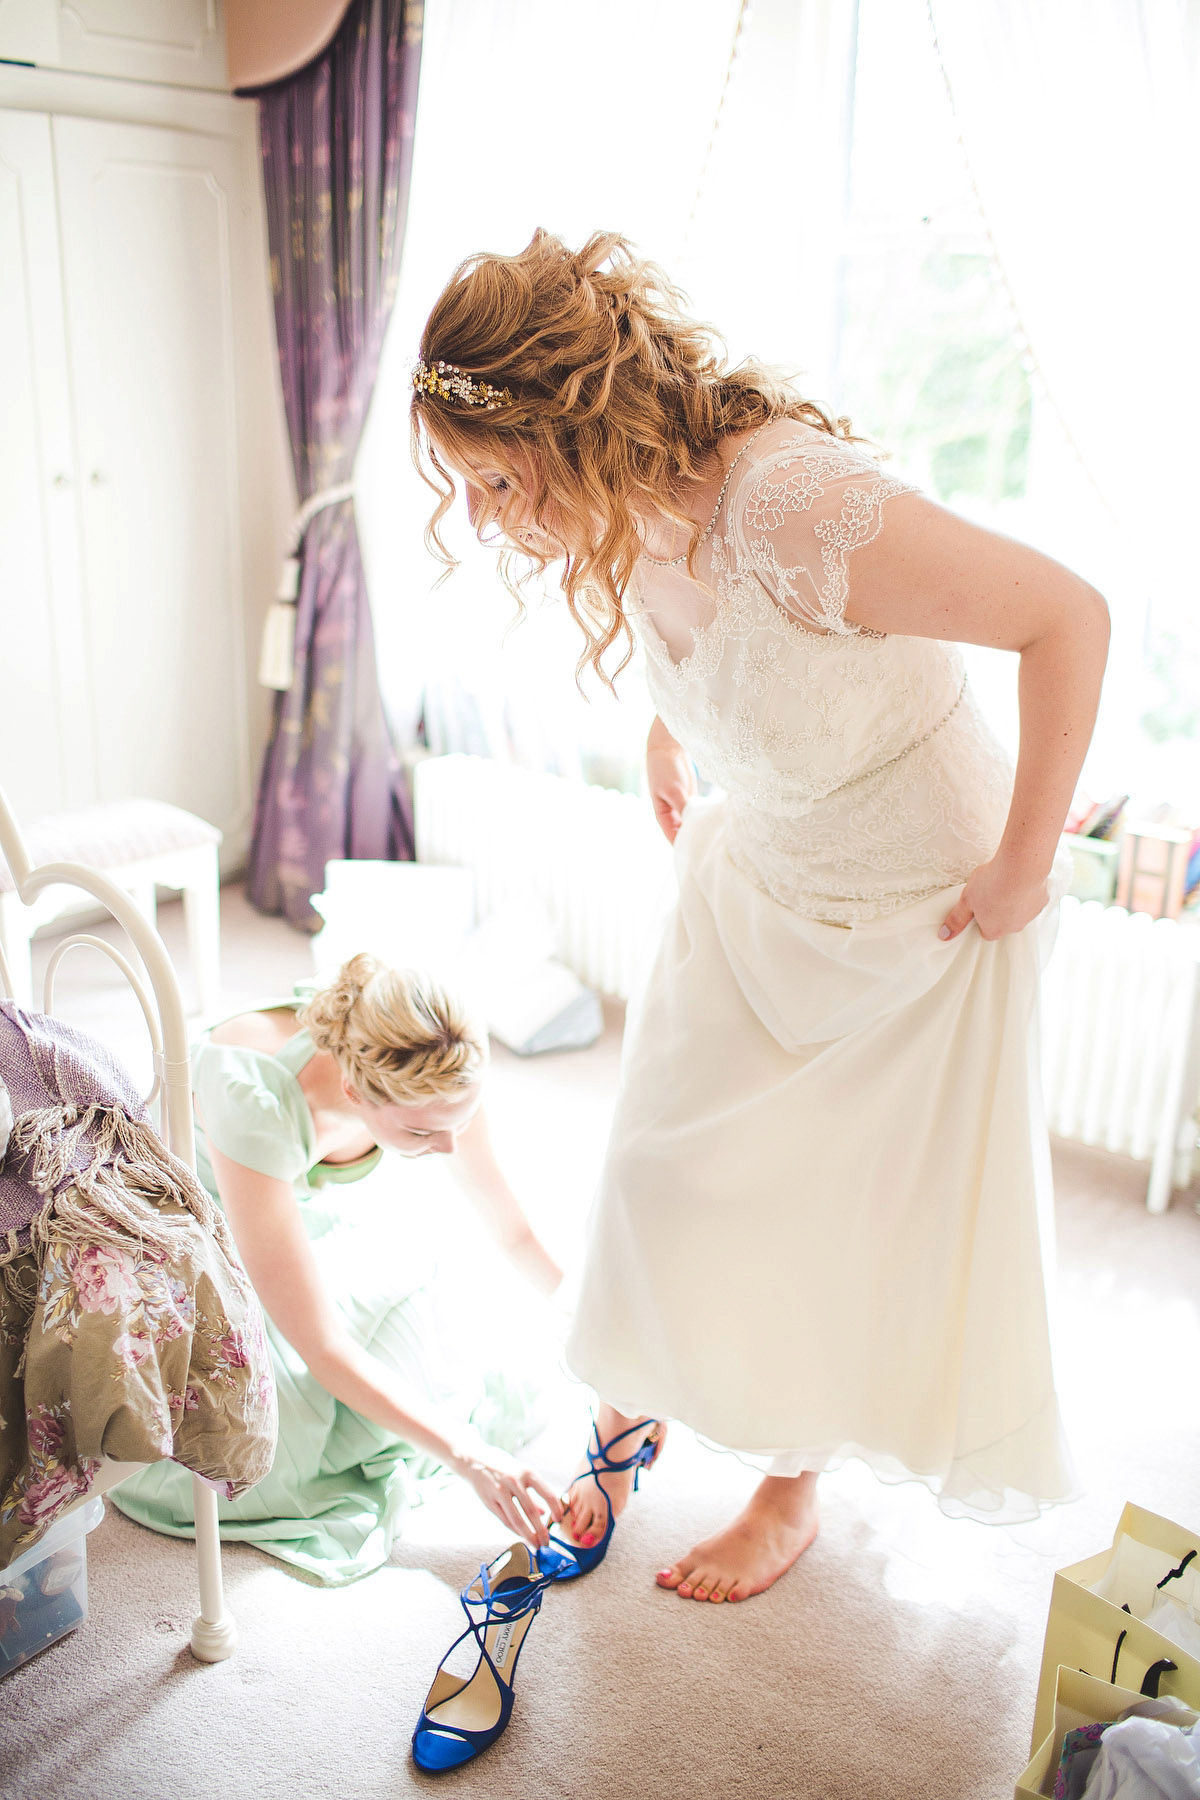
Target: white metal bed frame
(214, 1632)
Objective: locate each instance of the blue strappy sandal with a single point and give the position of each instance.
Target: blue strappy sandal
(463, 1715)
(562, 1560)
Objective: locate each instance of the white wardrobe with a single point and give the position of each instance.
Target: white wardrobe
(145, 487)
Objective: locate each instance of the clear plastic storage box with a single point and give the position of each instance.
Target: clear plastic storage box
(43, 1594)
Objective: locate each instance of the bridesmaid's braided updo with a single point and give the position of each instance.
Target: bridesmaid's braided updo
(398, 1037)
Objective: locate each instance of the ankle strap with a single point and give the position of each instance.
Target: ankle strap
(601, 1461)
(515, 1603)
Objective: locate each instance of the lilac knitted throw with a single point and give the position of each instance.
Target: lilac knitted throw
(45, 1063)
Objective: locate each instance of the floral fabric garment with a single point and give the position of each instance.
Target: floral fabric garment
(127, 1351)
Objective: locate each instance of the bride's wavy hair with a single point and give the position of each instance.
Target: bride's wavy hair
(613, 399)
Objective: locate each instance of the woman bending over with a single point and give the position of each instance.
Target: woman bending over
(293, 1100)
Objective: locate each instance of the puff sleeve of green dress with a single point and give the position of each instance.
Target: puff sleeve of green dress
(339, 1487)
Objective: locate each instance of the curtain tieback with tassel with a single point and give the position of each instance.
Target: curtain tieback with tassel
(276, 662)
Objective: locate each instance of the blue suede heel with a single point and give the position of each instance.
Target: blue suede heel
(561, 1560)
(463, 1715)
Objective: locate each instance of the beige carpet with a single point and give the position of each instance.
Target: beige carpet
(897, 1662)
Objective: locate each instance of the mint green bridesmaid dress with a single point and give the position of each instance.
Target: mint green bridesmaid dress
(339, 1486)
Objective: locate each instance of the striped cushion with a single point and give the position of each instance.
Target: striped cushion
(110, 836)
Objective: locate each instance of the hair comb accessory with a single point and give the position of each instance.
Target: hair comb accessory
(449, 382)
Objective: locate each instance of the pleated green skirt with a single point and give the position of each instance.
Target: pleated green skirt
(340, 1485)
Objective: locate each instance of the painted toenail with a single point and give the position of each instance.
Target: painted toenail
(664, 1574)
(588, 1541)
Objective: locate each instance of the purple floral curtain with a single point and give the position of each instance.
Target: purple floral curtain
(337, 145)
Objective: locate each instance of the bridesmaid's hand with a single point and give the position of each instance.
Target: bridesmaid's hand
(998, 899)
(671, 779)
(516, 1494)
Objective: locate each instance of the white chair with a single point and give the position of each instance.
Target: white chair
(214, 1632)
(140, 845)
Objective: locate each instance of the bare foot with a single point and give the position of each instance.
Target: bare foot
(587, 1516)
(763, 1542)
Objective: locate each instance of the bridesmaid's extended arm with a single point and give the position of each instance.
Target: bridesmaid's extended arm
(283, 1270)
(932, 574)
(484, 1182)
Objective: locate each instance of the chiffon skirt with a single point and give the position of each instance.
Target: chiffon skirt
(824, 1225)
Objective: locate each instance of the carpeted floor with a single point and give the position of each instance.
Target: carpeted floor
(897, 1662)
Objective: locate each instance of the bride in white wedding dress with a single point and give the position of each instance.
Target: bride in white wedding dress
(824, 1222)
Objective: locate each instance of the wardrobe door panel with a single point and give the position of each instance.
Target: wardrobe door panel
(29, 31)
(149, 218)
(46, 751)
(179, 41)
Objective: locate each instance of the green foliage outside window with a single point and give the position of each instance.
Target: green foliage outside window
(931, 369)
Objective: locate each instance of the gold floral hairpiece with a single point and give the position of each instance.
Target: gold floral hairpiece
(449, 382)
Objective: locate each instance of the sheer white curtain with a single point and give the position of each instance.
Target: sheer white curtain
(578, 117)
(1081, 124)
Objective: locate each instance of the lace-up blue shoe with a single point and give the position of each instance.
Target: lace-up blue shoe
(562, 1560)
(462, 1716)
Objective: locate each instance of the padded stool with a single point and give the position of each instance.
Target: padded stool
(142, 845)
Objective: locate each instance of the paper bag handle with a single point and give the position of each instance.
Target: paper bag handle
(1153, 1675)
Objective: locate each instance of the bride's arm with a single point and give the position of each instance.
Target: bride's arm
(931, 574)
(485, 1184)
(670, 777)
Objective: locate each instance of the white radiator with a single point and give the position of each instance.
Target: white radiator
(1120, 1046)
(594, 859)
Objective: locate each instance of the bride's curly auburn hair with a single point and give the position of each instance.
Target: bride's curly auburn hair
(616, 401)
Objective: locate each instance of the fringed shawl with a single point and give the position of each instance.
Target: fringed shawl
(77, 1150)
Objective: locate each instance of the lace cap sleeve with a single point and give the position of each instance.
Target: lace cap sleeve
(799, 512)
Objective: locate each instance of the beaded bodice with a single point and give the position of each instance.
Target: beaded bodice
(859, 774)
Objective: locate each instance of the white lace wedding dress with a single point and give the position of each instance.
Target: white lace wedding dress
(824, 1219)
